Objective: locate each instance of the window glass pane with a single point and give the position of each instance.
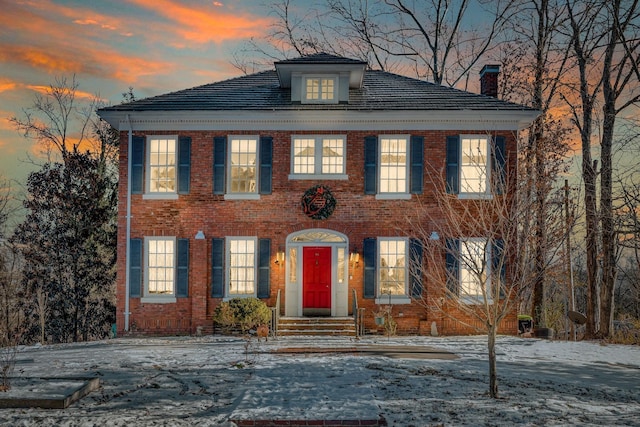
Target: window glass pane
(243, 165)
(162, 165)
(326, 152)
(160, 261)
(242, 268)
(393, 165)
(392, 267)
(473, 164)
(293, 265)
(303, 155)
(341, 264)
(333, 155)
(473, 267)
(327, 89)
(313, 88)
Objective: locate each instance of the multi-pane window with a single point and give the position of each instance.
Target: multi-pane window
(474, 164)
(393, 164)
(320, 89)
(162, 165)
(243, 152)
(242, 266)
(161, 256)
(392, 267)
(314, 155)
(474, 267)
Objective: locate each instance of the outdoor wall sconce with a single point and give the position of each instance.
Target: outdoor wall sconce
(200, 235)
(434, 236)
(280, 257)
(354, 258)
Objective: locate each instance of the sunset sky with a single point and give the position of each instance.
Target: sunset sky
(154, 46)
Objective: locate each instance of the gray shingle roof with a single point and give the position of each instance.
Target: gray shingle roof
(321, 58)
(261, 91)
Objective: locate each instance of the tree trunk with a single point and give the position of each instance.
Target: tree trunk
(493, 373)
(606, 202)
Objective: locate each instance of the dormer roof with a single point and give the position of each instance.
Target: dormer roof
(321, 63)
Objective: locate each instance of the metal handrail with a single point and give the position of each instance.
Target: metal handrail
(275, 317)
(358, 315)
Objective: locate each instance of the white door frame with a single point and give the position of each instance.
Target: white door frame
(339, 245)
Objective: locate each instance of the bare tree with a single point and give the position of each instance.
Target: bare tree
(533, 67)
(606, 51)
(477, 240)
(430, 39)
(57, 121)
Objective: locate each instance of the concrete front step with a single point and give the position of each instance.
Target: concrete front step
(301, 326)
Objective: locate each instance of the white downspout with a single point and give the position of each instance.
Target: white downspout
(128, 232)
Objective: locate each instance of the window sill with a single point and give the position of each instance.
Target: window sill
(384, 300)
(475, 196)
(152, 196)
(301, 176)
(158, 300)
(393, 196)
(245, 196)
(230, 297)
(474, 300)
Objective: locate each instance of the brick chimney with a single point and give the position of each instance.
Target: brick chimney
(489, 80)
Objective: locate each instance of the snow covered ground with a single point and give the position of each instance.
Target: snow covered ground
(206, 381)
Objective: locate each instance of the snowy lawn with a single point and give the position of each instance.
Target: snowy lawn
(206, 381)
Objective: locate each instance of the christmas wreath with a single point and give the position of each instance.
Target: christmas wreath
(318, 202)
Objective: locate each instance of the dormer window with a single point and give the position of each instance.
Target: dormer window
(320, 90)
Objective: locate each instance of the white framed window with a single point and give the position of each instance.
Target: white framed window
(394, 168)
(474, 269)
(243, 171)
(160, 262)
(320, 89)
(474, 164)
(162, 166)
(393, 283)
(242, 266)
(318, 155)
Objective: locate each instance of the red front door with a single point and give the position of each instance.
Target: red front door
(316, 277)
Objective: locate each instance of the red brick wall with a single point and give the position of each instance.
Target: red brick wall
(274, 216)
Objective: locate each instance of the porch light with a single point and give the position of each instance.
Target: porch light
(200, 235)
(434, 236)
(279, 256)
(354, 258)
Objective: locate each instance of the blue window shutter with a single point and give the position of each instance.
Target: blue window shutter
(417, 164)
(217, 268)
(498, 263)
(453, 164)
(219, 160)
(184, 165)
(182, 273)
(135, 268)
(370, 164)
(264, 268)
(415, 268)
(452, 247)
(266, 164)
(499, 165)
(369, 251)
(137, 165)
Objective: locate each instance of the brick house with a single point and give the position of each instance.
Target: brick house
(291, 182)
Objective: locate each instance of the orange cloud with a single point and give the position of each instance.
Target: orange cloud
(203, 26)
(7, 85)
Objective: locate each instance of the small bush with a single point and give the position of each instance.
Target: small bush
(241, 314)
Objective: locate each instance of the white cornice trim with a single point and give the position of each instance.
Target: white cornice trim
(307, 120)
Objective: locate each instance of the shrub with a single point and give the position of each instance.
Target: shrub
(241, 314)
